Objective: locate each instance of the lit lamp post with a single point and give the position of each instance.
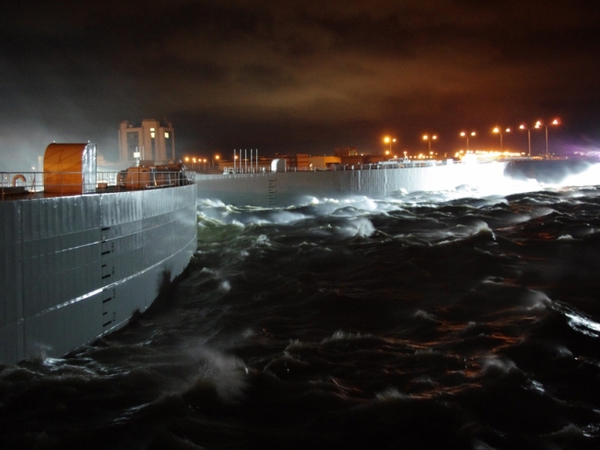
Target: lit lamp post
(523, 127)
(466, 135)
(540, 124)
(498, 130)
(389, 140)
(428, 138)
(217, 160)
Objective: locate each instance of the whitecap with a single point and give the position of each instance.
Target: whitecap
(340, 335)
(391, 394)
(420, 314)
(570, 431)
(225, 373)
(583, 324)
(566, 237)
(212, 203)
(225, 286)
(480, 445)
(262, 239)
(296, 344)
(498, 364)
(563, 352)
(537, 386)
(363, 227)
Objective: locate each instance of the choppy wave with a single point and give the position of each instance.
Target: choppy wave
(429, 320)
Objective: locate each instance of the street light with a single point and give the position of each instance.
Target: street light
(428, 138)
(389, 140)
(540, 124)
(466, 135)
(523, 127)
(498, 130)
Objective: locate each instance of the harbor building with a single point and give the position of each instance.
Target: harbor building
(153, 139)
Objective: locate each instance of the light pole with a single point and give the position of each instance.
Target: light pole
(466, 135)
(540, 124)
(428, 138)
(498, 130)
(389, 140)
(523, 127)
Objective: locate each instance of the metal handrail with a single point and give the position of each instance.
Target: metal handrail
(21, 183)
(382, 165)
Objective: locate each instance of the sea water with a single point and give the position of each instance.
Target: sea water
(446, 320)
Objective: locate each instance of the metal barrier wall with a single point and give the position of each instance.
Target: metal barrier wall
(73, 268)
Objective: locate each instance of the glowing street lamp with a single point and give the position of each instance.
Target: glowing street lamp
(428, 138)
(498, 130)
(389, 140)
(466, 135)
(523, 127)
(540, 124)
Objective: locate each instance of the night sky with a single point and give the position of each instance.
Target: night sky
(288, 76)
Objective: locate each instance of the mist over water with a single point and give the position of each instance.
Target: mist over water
(23, 145)
(465, 320)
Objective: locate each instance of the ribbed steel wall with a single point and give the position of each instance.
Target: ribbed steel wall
(287, 188)
(74, 268)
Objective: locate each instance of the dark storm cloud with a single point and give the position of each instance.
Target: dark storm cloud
(343, 71)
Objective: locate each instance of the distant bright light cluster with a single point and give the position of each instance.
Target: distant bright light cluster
(482, 155)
